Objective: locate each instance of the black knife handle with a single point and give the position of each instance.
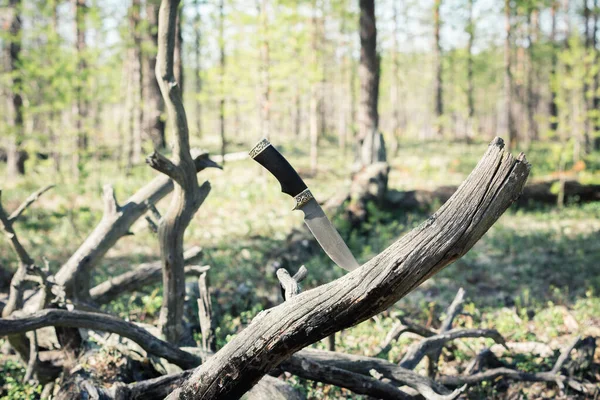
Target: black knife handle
(266, 155)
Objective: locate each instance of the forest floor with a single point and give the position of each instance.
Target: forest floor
(534, 276)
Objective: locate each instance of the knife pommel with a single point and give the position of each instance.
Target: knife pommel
(266, 155)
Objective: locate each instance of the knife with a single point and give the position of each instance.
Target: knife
(322, 229)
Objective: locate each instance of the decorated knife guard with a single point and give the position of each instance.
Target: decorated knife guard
(302, 198)
(259, 147)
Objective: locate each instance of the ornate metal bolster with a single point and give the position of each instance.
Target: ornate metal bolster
(260, 146)
(302, 198)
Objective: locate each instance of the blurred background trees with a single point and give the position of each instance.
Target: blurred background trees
(78, 76)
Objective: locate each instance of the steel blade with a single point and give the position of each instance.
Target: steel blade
(327, 236)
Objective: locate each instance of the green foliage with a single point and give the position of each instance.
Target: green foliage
(11, 386)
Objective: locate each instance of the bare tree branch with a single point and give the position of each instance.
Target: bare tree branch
(315, 314)
(432, 344)
(143, 275)
(7, 227)
(290, 285)
(398, 376)
(402, 326)
(111, 206)
(358, 383)
(553, 375)
(164, 165)
(28, 201)
(564, 355)
(205, 315)
(33, 356)
(454, 308)
(110, 230)
(99, 322)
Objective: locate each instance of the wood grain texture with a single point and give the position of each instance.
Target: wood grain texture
(490, 189)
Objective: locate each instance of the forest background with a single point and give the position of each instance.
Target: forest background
(81, 108)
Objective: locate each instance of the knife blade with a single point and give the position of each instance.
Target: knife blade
(314, 217)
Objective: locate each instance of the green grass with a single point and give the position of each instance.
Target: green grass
(533, 271)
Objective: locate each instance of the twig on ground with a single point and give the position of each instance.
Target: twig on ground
(403, 325)
(453, 310)
(416, 353)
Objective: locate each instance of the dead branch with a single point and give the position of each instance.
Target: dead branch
(205, 315)
(33, 356)
(112, 228)
(564, 355)
(533, 193)
(151, 224)
(187, 196)
(158, 388)
(398, 376)
(7, 227)
(315, 314)
(99, 322)
(553, 375)
(402, 326)
(454, 309)
(361, 384)
(15, 297)
(290, 285)
(28, 201)
(144, 275)
(432, 344)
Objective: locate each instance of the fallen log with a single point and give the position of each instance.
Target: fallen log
(493, 185)
(533, 193)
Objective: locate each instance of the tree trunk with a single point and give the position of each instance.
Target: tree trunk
(153, 102)
(198, 74)
(135, 94)
(55, 136)
(395, 95)
(533, 29)
(553, 109)
(596, 96)
(587, 96)
(470, 85)
(512, 133)
(315, 99)
(222, 79)
(371, 145)
(438, 85)
(139, 78)
(265, 84)
(178, 57)
(15, 158)
(187, 196)
(81, 103)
